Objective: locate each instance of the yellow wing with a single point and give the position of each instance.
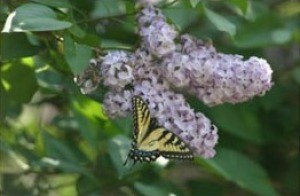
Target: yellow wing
(151, 141)
(141, 118)
(168, 144)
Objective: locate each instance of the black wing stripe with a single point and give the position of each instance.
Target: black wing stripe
(170, 141)
(163, 135)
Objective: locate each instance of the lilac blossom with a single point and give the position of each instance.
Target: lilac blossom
(216, 78)
(160, 68)
(117, 104)
(116, 69)
(171, 110)
(174, 113)
(157, 35)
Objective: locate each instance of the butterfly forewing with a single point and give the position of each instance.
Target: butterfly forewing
(141, 118)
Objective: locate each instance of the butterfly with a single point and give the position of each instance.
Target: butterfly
(150, 140)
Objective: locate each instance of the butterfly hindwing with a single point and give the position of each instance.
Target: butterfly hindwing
(171, 146)
(150, 141)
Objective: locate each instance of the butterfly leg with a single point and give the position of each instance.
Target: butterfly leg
(125, 161)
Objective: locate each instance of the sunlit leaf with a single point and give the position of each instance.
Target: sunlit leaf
(63, 184)
(87, 128)
(11, 161)
(241, 4)
(289, 8)
(194, 3)
(19, 89)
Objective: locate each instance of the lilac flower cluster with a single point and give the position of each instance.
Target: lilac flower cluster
(163, 65)
(215, 78)
(157, 35)
(171, 110)
(117, 69)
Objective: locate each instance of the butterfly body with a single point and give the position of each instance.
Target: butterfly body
(150, 140)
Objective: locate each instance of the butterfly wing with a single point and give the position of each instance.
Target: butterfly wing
(166, 143)
(172, 147)
(151, 141)
(141, 118)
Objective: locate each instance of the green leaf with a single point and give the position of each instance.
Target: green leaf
(262, 37)
(265, 30)
(118, 148)
(36, 17)
(77, 31)
(11, 160)
(61, 150)
(89, 39)
(241, 4)
(49, 78)
(241, 170)
(108, 8)
(43, 24)
(54, 3)
(77, 55)
(85, 186)
(16, 89)
(87, 128)
(148, 190)
(239, 120)
(14, 184)
(63, 184)
(274, 98)
(194, 3)
(67, 166)
(181, 17)
(296, 75)
(220, 22)
(16, 45)
(123, 124)
(205, 187)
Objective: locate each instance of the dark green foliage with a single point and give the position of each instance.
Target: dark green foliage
(54, 140)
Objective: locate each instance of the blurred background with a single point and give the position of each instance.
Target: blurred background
(56, 141)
